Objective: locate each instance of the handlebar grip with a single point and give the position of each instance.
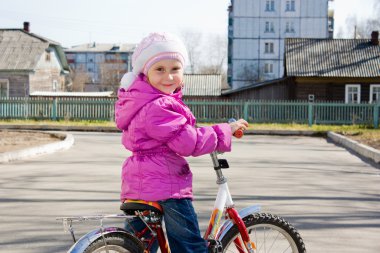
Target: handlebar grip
(238, 133)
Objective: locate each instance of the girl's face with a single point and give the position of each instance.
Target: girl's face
(166, 75)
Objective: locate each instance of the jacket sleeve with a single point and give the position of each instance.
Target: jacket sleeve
(172, 128)
(119, 110)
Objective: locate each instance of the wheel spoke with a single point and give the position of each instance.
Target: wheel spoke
(286, 249)
(114, 244)
(270, 234)
(111, 249)
(274, 241)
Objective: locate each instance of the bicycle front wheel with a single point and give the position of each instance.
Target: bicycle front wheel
(269, 233)
(114, 244)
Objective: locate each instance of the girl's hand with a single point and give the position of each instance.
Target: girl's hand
(239, 124)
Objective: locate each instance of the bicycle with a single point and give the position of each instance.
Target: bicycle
(245, 231)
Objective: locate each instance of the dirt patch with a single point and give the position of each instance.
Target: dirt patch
(16, 140)
(373, 142)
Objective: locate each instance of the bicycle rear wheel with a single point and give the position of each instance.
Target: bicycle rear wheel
(115, 244)
(269, 233)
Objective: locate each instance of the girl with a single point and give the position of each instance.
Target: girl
(160, 130)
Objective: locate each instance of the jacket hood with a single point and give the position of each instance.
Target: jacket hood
(138, 95)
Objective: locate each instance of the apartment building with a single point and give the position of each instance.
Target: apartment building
(100, 63)
(257, 30)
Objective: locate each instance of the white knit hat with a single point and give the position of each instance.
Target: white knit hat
(154, 48)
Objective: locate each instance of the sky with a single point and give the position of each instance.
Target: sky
(75, 22)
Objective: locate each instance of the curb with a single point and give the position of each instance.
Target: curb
(355, 146)
(49, 148)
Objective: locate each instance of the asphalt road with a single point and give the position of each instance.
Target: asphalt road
(330, 195)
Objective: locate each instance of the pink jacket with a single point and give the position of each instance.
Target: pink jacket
(160, 130)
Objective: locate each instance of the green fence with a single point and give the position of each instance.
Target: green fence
(206, 111)
(57, 108)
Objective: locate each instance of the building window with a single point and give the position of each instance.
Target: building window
(289, 27)
(81, 58)
(55, 85)
(110, 57)
(269, 47)
(124, 57)
(374, 93)
(48, 56)
(290, 5)
(91, 57)
(268, 68)
(353, 93)
(99, 58)
(4, 88)
(70, 56)
(269, 6)
(269, 27)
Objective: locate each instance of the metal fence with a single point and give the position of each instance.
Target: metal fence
(57, 108)
(259, 111)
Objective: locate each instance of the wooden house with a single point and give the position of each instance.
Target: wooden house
(344, 70)
(29, 62)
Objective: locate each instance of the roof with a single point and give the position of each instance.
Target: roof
(202, 85)
(332, 58)
(20, 50)
(255, 85)
(101, 47)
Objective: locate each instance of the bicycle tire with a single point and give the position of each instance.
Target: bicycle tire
(269, 233)
(115, 244)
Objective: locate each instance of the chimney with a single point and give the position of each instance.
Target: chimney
(375, 38)
(27, 27)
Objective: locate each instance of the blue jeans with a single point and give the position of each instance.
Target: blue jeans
(182, 227)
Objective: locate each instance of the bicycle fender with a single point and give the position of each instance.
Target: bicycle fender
(226, 226)
(92, 236)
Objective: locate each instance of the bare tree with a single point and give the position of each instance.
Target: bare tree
(340, 33)
(214, 58)
(251, 74)
(111, 72)
(363, 28)
(371, 25)
(374, 23)
(79, 77)
(207, 54)
(192, 41)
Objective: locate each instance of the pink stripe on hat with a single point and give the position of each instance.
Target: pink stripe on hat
(160, 57)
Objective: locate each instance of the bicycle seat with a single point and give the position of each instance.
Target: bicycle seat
(131, 206)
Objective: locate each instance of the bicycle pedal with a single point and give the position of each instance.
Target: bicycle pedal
(214, 246)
